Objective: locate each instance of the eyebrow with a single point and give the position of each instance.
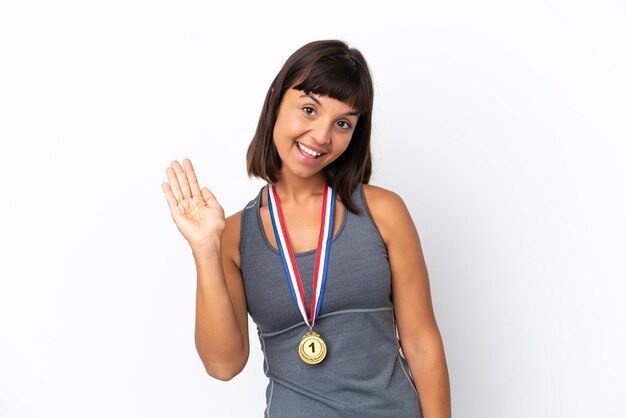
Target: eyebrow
(318, 102)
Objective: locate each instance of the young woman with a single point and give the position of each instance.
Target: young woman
(329, 267)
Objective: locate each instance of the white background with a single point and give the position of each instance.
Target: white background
(501, 124)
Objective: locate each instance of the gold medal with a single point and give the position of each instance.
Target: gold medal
(312, 348)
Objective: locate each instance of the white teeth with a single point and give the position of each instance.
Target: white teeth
(308, 151)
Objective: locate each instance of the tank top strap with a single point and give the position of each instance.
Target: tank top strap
(249, 236)
(364, 220)
(253, 237)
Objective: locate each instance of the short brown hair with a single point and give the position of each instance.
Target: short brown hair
(328, 68)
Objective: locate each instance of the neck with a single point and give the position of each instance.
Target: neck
(294, 189)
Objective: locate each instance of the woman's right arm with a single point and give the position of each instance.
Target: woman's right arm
(221, 333)
(221, 313)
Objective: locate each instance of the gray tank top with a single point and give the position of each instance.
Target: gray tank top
(363, 374)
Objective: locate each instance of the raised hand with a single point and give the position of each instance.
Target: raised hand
(196, 212)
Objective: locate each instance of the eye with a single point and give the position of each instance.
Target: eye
(344, 124)
(308, 110)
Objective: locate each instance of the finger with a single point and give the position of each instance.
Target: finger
(182, 179)
(171, 199)
(173, 182)
(209, 198)
(191, 177)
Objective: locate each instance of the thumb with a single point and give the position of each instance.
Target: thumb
(208, 197)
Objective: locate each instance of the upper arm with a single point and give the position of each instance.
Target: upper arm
(410, 286)
(232, 273)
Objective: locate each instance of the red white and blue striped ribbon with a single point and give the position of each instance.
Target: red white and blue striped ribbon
(289, 261)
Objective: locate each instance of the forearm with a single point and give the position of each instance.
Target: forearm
(218, 338)
(430, 373)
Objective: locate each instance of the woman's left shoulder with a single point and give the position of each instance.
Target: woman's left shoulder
(388, 210)
(381, 200)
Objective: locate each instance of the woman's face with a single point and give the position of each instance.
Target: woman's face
(312, 131)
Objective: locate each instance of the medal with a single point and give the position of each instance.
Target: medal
(312, 348)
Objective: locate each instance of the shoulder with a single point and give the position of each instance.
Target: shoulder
(388, 210)
(233, 222)
(231, 237)
(383, 202)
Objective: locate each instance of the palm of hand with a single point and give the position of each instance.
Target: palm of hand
(196, 212)
(198, 220)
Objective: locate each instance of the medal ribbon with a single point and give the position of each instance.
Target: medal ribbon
(289, 260)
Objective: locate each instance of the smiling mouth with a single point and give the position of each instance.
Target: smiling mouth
(309, 151)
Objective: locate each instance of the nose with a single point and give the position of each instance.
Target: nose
(321, 132)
